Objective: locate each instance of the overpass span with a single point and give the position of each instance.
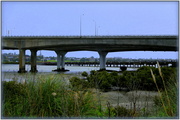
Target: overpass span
(92, 43)
(102, 44)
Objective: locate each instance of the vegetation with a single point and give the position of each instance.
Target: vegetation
(51, 61)
(13, 57)
(120, 111)
(46, 97)
(167, 100)
(134, 80)
(78, 84)
(165, 83)
(51, 96)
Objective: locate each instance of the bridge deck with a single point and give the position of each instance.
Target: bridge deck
(92, 43)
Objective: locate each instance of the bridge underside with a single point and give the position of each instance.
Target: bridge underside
(105, 48)
(101, 44)
(110, 48)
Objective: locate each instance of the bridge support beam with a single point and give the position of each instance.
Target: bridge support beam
(60, 61)
(22, 59)
(33, 60)
(102, 60)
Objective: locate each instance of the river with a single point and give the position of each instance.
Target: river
(9, 71)
(49, 68)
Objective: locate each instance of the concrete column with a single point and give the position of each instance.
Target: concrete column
(62, 63)
(60, 60)
(102, 60)
(22, 59)
(33, 60)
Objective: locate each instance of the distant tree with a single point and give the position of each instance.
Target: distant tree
(84, 60)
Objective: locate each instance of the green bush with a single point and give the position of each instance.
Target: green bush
(84, 74)
(143, 80)
(133, 80)
(102, 79)
(146, 81)
(78, 84)
(115, 79)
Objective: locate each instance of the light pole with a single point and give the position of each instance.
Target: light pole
(97, 29)
(80, 24)
(95, 26)
(8, 32)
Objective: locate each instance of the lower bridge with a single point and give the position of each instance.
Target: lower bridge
(116, 64)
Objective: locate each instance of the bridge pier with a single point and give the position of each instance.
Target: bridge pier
(60, 61)
(33, 60)
(22, 59)
(102, 60)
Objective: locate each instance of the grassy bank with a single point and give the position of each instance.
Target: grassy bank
(46, 96)
(52, 96)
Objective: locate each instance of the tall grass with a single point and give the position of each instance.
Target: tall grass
(167, 99)
(46, 96)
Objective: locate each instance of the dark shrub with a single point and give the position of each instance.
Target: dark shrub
(78, 83)
(84, 74)
(102, 79)
(120, 111)
(12, 89)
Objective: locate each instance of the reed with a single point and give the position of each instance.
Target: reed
(169, 91)
(167, 96)
(159, 92)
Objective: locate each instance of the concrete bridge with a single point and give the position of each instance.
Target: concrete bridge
(102, 44)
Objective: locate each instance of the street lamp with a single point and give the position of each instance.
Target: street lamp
(80, 24)
(97, 29)
(95, 26)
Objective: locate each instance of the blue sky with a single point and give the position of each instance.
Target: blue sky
(96, 18)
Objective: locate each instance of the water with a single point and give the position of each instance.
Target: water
(9, 71)
(49, 68)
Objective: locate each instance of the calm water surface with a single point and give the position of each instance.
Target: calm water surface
(49, 68)
(9, 71)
